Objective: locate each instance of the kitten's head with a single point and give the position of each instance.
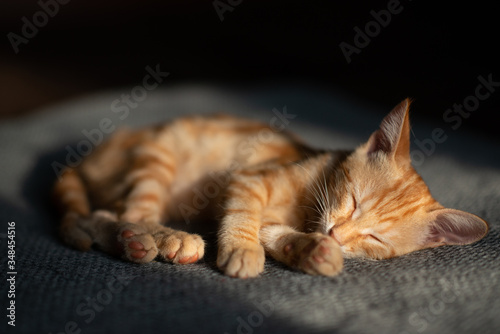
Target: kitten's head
(384, 208)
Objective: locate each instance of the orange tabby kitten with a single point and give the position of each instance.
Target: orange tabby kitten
(272, 194)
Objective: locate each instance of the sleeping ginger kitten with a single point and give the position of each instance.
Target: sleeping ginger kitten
(271, 194)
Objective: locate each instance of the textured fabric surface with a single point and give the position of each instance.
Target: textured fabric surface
(443, 290)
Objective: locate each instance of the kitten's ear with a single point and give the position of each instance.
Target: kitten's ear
(454, 227)
(393, 137)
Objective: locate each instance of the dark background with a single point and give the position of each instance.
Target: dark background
(431, 52)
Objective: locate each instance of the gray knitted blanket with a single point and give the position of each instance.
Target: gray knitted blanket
(55, 289)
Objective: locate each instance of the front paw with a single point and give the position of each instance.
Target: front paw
(319, 255)
(179, 247)
(241, 262)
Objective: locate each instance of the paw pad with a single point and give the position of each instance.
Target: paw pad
(138, 245)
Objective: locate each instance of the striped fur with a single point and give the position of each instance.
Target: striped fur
(270, 193)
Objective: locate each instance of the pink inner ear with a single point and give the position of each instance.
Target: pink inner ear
(454, 227)
(393, 135)
(378, 142)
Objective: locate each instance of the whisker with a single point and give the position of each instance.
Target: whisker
(319, 189)
(310, 207)
(314, 189)
(326, 192)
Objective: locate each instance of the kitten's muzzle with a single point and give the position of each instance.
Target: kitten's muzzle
(334, 236)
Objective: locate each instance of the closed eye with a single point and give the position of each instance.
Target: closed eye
(374, 238)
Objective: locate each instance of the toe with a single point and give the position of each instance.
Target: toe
(185, 260)
(193, 258)
(324, 250)
(138, 254)
(318, 259)
(127, 234)
(135, 245)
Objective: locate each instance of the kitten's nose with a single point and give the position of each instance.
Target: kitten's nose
(334, 235)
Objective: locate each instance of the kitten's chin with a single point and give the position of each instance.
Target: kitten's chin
(355, 255)
(351, 255)
(347, 254)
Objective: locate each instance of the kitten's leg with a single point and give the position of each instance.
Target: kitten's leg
(150, 180)
(313, 253)
(240, 252)
(147, 236)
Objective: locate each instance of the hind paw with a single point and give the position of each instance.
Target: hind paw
(180, 247)
(138, 246)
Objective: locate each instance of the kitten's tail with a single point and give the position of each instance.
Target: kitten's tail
(70, 196)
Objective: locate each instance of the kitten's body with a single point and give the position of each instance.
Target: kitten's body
(271, 194)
